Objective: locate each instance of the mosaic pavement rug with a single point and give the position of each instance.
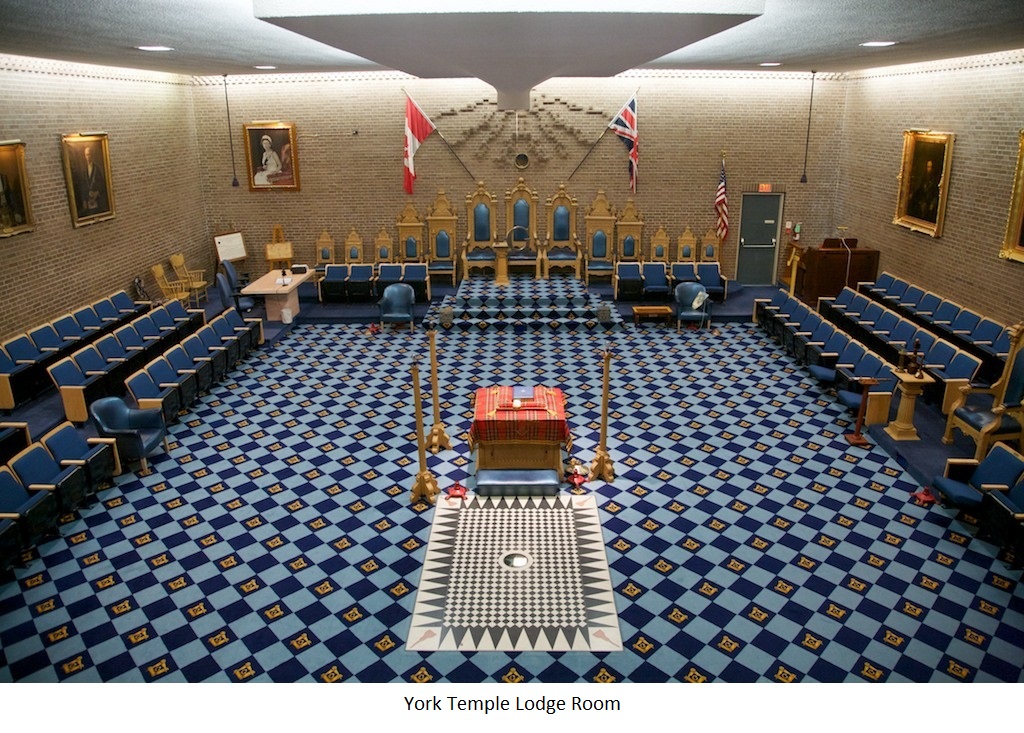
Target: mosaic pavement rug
(515, 574)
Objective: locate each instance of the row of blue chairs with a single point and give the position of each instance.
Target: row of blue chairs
(363, 282)
(24, 358)
(897, 338)
(46, 480)
(647, 280)
(99, 368)
(833, 357)
(984, 337)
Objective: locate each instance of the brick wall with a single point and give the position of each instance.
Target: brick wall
(171, 156)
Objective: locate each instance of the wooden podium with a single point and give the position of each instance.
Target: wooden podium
(822, 271)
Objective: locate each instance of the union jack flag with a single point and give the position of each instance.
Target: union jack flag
(624, 125)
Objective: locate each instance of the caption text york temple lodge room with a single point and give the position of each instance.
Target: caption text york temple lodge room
(522, 343)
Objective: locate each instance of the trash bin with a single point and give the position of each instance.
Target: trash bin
(286, 315)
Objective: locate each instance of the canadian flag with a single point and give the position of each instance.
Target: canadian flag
(417, 128)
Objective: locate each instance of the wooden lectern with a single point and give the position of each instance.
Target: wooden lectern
(823, 271)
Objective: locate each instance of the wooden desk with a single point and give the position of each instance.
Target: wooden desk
(910, 387)
(529, 437)
(277, 295)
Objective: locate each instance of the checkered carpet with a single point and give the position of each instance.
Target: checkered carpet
(746, 540)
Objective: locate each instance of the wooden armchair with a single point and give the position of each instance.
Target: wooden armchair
(410, 235)
(599, 228)
(324, 254)
(686, 246)
(195, 280)
(482, 231)
(710, 245)
(441, 223)
(659, 246)
(629, 230)
(996, 413)
(170, 289)
(521, 215)
(562, 248)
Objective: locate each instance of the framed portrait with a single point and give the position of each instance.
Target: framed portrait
(15, 205)
(924, 180)
(1013, 243)
(271, 156)
(87, 172)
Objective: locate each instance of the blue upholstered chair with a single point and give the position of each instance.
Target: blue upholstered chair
(212, 342)
(691, 305)
(388, 273)
(711, 277)
(965, 480)
(1002, 518)
(70, 330)
(417, 274)
(182, 363)
(89, 322)
(627, 281)
(92, 364)
(994, 413)
(33, 513)
(821, 333)
(50, 343)
(850, 389)
(96, 456)
(236, 343)
(138, 432)
(190, 320)
(36, 468)
(481, 232)
(826, 370)
(108, 313)
(249, 330)
(19, 383)
(14, 438)
(562, 248)
(396, 304)
(244, 303)
(199, 354)
(599, 226)
(127, 307)
(113, 351)
(655, 281)
(150, 395)
(166, 376)
(76, 389)
(683, 272)
(360, 283)
(331, 288)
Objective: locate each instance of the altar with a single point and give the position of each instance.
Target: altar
(519, 428)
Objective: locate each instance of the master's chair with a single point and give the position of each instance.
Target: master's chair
(995, 413)
(562, 249)
(410, 227)
(482, 231)
(629, 231)
(521, 204)
(324, 254)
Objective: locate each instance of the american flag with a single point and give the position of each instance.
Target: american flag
(417, 127)
(722, 206)
(624, 125)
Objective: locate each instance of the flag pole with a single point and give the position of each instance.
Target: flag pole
(406, 93)
(606, 128)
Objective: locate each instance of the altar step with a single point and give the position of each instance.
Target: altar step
(524, 305)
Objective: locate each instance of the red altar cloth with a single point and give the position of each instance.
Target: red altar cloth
(541, 418)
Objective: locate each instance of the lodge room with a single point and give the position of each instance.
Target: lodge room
(712, 310)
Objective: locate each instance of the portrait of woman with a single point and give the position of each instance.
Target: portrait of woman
(271, 156)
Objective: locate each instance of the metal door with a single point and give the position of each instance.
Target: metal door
(760, 228)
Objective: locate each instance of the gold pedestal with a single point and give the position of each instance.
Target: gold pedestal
(501, 265)
(910, 388)
(602, 468)
(425, 487)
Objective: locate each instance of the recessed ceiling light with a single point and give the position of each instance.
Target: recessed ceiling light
(264, 67)
(878, 44)
(771, 63)
(154, 48)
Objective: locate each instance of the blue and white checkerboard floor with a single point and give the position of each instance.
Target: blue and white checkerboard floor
(746, 540)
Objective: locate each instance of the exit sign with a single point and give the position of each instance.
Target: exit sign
(764, 188)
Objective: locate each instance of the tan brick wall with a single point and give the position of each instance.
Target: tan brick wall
(172, 163)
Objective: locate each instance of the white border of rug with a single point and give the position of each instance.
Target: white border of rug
(599, 632)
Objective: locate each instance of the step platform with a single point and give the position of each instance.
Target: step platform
(517, 482)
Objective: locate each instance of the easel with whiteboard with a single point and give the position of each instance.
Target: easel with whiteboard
(231, 248)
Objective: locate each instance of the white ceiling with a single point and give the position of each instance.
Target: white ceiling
(511, 45)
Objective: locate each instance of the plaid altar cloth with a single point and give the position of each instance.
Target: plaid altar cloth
(539, 419)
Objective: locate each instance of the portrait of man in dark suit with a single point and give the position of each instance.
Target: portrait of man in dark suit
(86, 165)
(15, 208)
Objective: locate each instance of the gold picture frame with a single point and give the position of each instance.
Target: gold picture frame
(87, 174)
(1013, 242)
(924, 181)
(272, 156)
(15, 204)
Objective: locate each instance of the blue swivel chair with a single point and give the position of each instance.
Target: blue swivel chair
(691, 305)
(138, 432)
(229, 297)
(396, 304)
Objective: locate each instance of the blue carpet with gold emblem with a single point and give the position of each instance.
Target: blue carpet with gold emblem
(746, 540)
